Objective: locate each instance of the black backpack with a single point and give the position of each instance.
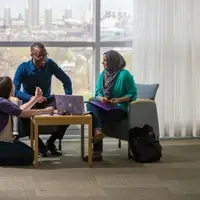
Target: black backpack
(144, 145)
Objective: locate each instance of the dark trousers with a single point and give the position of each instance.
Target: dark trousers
(15, 153)
(101, 119)
(57, 132)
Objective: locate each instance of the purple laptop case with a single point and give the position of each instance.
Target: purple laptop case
(69, 103)
(104, 106)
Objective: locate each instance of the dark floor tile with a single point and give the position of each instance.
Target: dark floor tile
(179, 174)
(142, 193)
(187, 187)
(128, 180)
(190, 197)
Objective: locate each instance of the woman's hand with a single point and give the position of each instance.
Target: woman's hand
(38, 95)
(103, 100)
(38, 92)
(91, 99)
(49, 110)
(114, 101)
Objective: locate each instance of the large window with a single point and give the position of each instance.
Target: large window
(46, 20)
(116, 20)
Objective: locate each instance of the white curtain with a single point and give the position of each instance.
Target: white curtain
(166, 50)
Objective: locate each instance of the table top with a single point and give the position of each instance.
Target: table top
(55, 116)
(61, 119)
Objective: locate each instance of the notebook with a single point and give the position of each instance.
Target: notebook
(105, 106)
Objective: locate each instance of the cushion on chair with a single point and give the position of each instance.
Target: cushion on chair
(147, 91)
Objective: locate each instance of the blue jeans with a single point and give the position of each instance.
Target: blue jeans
(101, 118)
(15, 153)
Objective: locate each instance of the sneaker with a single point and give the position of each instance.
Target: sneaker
(42, 148)
(53, 149)
(43, 153)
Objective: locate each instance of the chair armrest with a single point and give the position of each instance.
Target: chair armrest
(143, 111)
(17, 102)
(141, 101)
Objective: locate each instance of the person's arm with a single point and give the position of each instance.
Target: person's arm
(8, 107)
(17, 83)
(33, 100)
(62, 76)
(29, 104)
(32, 112)
(130, 88)
(99, 92)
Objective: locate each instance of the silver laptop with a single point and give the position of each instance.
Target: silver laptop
(69, 104)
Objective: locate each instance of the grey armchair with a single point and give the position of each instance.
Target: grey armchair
(142, 111)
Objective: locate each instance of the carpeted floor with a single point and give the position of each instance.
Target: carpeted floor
(176, 177)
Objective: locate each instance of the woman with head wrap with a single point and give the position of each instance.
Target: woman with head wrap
(115, 86)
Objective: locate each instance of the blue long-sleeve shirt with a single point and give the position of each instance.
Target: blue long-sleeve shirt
(29, 78)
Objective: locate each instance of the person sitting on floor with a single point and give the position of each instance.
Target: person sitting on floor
(115, 87)
(14, 152)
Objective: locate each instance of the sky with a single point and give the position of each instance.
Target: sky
(58, 6)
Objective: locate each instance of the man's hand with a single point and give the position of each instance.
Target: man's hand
(41, 99)
(114, 101)
(103, 100)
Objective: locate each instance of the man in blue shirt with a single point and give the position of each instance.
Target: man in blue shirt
(38, 72)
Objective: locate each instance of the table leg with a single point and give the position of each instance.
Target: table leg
(90, 143)
(36, 145)
(31, 133)
(82, 142)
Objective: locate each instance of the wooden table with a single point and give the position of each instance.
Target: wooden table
(46, 120)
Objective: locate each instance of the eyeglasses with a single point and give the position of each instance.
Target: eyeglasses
(39, 58)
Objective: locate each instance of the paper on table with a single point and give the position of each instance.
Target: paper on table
(43, 115)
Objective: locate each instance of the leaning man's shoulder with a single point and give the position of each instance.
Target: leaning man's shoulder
(25, 63)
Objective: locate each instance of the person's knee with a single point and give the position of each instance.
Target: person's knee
(60, 132)
(62, 129)
(25, 152)
(28, 156)
(95, 112)
(31, 157)
(88, 106)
